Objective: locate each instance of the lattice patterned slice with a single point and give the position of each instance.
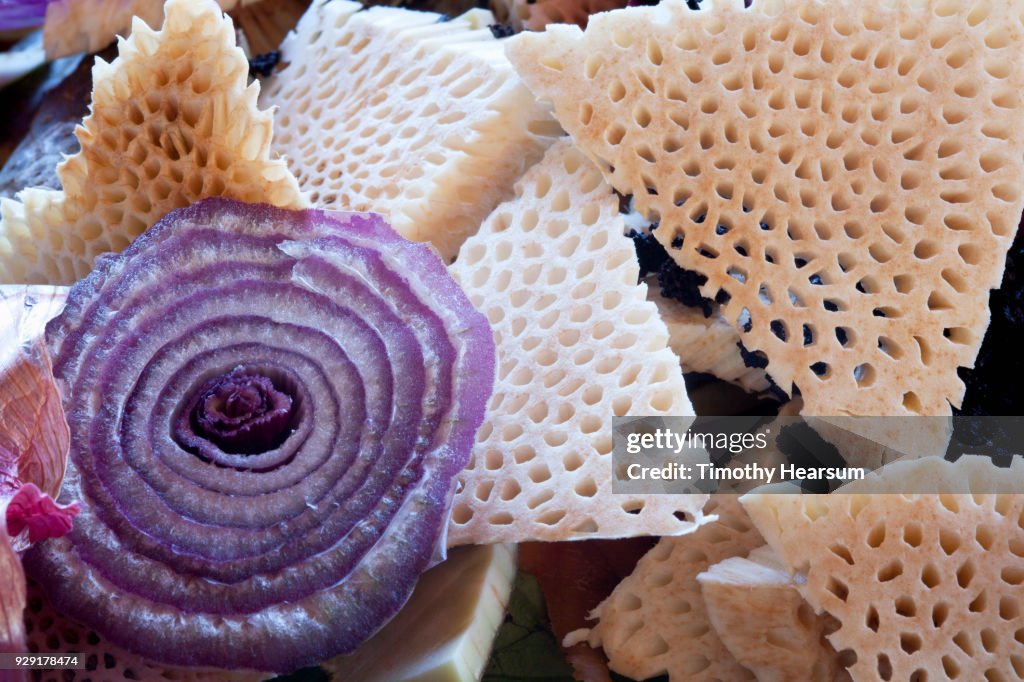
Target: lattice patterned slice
(534, 15)
(924, 586)
(50, 632)
(577, 343)
(397, 111)
(90, 25)
(655, 621)
(848, 174)
(706, 344)
(763, 621)
(172, 122)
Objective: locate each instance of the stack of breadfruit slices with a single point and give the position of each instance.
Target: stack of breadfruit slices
(812, 200)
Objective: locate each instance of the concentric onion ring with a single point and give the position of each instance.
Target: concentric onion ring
(267, 409)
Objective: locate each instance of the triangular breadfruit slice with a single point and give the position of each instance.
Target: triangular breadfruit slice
(403, 113)
(847, 175)
(173, 120)
(923, 585)
(577, 344)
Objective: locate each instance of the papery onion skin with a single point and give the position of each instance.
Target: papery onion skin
(18, 14)
(13, 595)
(33, 451)
(34, 438)
(190, 553)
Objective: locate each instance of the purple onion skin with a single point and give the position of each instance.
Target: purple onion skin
(268, 409)
(19, 14)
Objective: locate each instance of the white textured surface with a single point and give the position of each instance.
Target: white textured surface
(401, 113)
(577, 343)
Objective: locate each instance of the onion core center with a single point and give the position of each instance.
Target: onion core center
(242, 413)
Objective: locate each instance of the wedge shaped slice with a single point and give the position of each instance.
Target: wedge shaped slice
(920, 584)
(403, 113)
(846, 174)
(445, 631)
(577, 343)
(172, 121)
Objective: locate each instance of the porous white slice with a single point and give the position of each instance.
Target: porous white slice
(405, 114)
(759, 615)
(445, 631)
(577, 343)
(847, 173)
(173, 121)
(923, 585)
(655, 621)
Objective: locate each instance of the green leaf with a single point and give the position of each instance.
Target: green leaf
(525, 649)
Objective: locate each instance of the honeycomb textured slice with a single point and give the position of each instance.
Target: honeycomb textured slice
(74, 26)
(761, 618)
(924, 586)
(655, 621)
(577, 342)
(51, 632)
(172, 122)
(706, 344)
(848, 174)
(400, 112)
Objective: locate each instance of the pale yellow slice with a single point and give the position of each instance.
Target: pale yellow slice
(923, 585)
(445, 631)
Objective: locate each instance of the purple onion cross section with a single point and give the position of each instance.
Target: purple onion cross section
(268, 409)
